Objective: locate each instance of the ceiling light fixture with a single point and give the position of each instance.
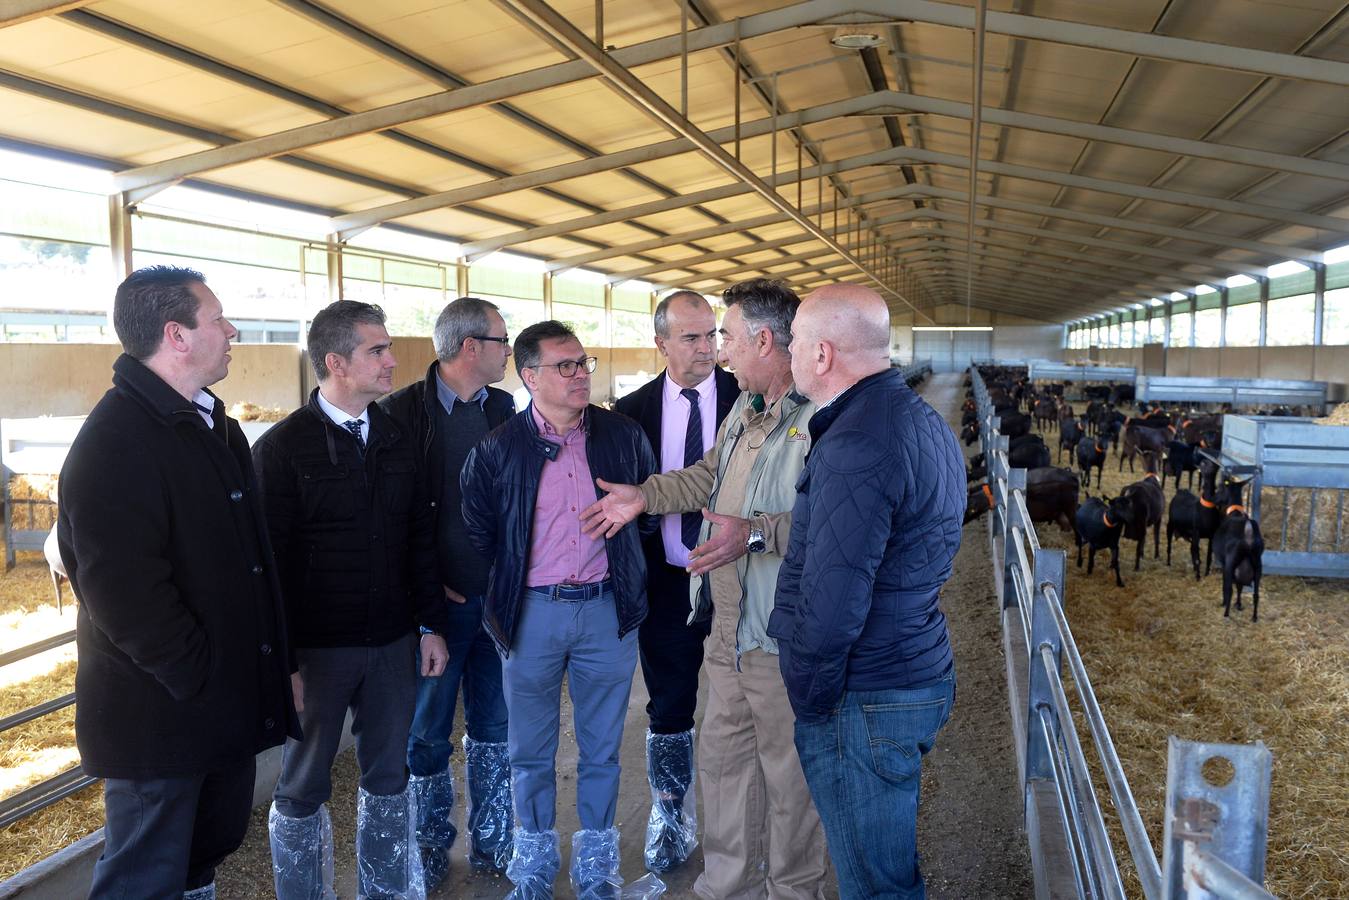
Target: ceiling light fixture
(856, 37)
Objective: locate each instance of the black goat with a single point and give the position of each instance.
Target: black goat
(1140, 438)
(1195, 518)
(1070, 434)
(1091, 454)
(1149, 503)
(1180, 458)
(1239, 548)
(1099, 523)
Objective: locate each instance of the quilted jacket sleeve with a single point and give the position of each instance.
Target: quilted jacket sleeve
(851, 496)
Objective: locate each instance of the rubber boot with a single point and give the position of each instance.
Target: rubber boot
(386, 833)
(534, 865)
(594, 865)
(672, 828)
(434, 795)
(302, 855)
(490, 811)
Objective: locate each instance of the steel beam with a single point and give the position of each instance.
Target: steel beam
(1013, 272)
(902, 102)
(685, 264)
(948, 254)
(813, 12)
(1005, 250)
(436, 74)
(1278, 252)
(472, 96)
(1141, 192)
(1208, 263)
(478, 249)
(647, 100)
(354, 223)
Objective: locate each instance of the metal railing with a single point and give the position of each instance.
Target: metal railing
(915, 371)
(58, 787)
(1215, 834)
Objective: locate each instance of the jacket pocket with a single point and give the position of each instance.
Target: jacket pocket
(326, 492)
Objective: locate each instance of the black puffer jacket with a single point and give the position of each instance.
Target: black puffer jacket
(180, 628)
(354, 547)
(501, 485)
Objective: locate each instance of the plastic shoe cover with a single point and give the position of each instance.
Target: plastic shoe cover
(387, 867)
(534, 864)
(648, 887)
(302, 855)
(205, 892)
(490, 811)
(434, 795)
(672, 828)
(594, 865)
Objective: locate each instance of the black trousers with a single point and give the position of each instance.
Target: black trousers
(164, 836)
(671, 651)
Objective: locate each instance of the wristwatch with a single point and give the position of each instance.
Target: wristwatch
(755, 543)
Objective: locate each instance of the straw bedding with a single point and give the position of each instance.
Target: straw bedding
(1163, 660)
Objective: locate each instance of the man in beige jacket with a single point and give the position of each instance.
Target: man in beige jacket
(762, 836)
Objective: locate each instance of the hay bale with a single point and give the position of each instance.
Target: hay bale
(34, 500)
(1337, 415)
(251, 412)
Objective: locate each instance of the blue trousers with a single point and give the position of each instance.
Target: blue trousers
(578, 639)
(475, 667)
(862, 766)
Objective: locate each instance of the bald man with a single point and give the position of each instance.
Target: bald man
(862, 640)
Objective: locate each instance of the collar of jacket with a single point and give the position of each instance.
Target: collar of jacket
(152, 392)
(382, 430)
(820, 422)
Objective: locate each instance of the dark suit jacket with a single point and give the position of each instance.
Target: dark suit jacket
(669, 586)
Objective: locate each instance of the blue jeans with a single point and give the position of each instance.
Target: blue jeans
(474, 665)
(862, 765)
(578, 638)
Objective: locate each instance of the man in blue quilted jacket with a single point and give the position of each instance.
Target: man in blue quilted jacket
(862, 640)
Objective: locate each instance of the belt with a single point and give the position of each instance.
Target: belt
(575, 593)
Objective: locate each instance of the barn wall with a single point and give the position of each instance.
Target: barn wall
(68, 379)
(1028, 341)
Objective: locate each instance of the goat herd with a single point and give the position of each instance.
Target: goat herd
(1169, 442)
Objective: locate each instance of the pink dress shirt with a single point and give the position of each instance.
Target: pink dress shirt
(674, 419)
(558, 550)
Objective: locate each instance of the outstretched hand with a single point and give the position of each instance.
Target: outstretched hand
(726, 543)
(606, 516)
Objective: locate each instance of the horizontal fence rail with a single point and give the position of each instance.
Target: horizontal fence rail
(1065, 824)
(58, 787)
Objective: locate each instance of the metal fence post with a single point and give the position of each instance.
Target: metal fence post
(1011, 515)
(1206, 820)
(1049, 569)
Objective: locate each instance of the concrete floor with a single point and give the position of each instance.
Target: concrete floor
(969, 825)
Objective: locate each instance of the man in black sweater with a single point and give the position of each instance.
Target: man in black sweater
(182, 672)
(445, 415)
(680, 411)
(356, 554)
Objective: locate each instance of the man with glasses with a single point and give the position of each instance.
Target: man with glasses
(560, 602)
(680, 410)
(446, 414)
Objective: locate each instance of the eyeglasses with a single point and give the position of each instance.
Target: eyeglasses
(488, 337)
(567, 368)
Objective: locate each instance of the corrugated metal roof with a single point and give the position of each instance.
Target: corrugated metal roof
(1112, 165)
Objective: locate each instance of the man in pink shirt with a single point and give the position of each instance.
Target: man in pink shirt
(560, 602)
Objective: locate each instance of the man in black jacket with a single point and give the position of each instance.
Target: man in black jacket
(680, 411)
(182, 674)
(356, 554)
(559, 602)
(446, 414)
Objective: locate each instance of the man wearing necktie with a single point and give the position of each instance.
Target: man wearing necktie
(355, 550)
(680, 411)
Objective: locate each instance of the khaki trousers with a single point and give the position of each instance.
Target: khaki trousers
(761, 835)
